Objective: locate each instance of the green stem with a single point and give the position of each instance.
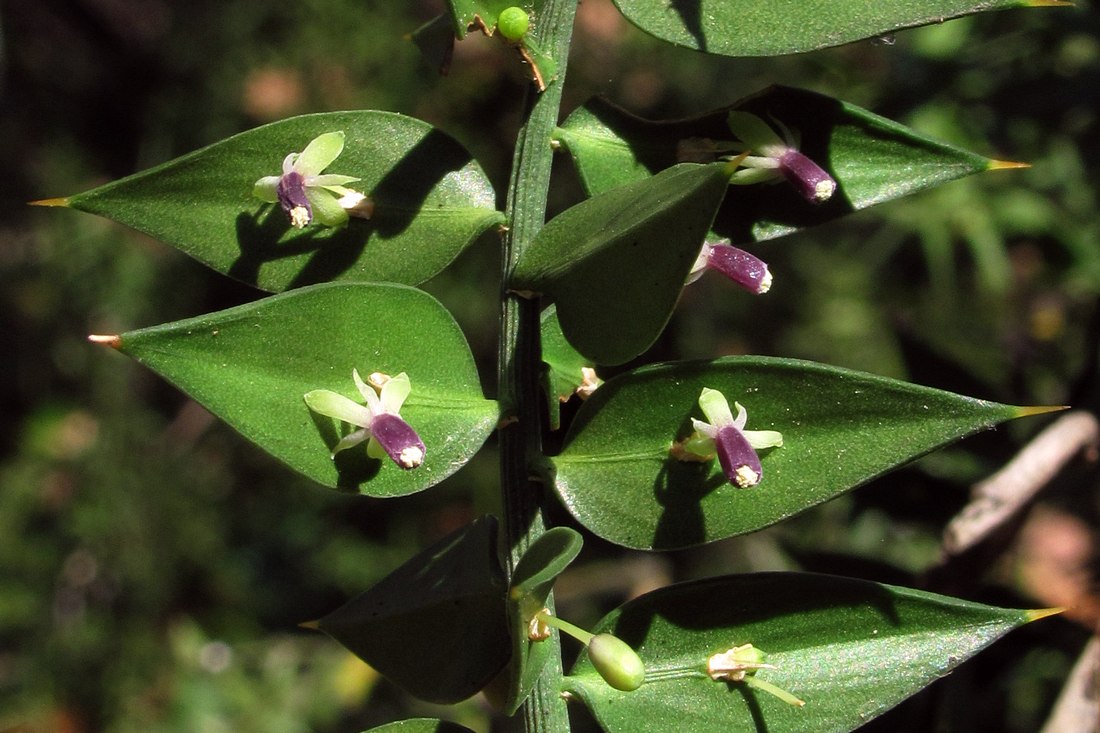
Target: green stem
(562, 625)
(519, 357)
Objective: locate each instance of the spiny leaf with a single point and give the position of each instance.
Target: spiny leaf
(251, 366)
(431, 201)
(873, 159)
(840, 429)
(850, 649)
(753, 28)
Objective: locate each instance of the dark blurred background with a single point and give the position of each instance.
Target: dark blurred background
(154, 567)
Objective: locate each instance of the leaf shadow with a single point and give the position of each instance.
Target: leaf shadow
(752, 704)
(680, 487)
(331, 252)
(690, 12)
(353, 467)
(759, 212)
(412, 179)
(748, 213)
(708, 604)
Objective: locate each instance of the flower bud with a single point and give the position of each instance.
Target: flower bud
(618, 663)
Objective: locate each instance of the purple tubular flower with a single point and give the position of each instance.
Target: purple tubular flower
(745, 269)
(808, 178)
(725, 435)
(769, 157)
(398, 439)
(291, 191)
(306, 194)
(738, 459)
(378, 421)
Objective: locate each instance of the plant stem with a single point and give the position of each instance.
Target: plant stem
(519, 357)
(561, 624)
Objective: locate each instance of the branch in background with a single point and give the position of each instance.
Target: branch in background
(998, 499)
(1076, 708)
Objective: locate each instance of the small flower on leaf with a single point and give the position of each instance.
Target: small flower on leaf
(771, 157)
(740, 664)
(725, 436)
(378, 421)
(306, 194)
(745, 269)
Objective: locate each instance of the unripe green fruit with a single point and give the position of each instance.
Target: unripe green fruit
(512, 23)
(618, 664)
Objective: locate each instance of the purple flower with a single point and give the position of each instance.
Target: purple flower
(747, 270)
(307, 195)
(770, 157)
(378, 421)
(725, 436)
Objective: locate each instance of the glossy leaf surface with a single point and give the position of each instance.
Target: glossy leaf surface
(532, 581)
(872, 158)
(752, 28)
(840, 429)
(252, 365)
(850, 649)
(431, 201)
(420, 725)
(615, 263)
(437, 625)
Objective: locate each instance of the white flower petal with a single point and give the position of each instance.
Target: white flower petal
(265, 189)
(330, 179)
(330, 404)
(715, 407)
(756, 133)
(760, 439)
(394, 393)
(704, 429)
(320, 153)
(351, 440)
(326, 209)
(368, 393)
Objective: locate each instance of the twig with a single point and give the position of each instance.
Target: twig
(997, 499)
(1076, 709)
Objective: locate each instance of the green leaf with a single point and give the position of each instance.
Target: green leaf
(872, 158)
(615, 263)
(420, 725)
(251, 366)
(436, 626)
(543, 562)
(532, 581)
(753, 28)
(431, 201)
(562, 364)
(850, 649)
(840, 429)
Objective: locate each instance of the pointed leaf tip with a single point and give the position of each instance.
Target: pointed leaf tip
(49, 202)
(311, 625)
(1041, 613)
(112, 340)
(1039, 410)
(1004, 165)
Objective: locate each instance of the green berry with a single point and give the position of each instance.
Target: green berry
(512, 23)
(617, 662)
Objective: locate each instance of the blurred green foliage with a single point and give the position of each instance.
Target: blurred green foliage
(154, 567)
